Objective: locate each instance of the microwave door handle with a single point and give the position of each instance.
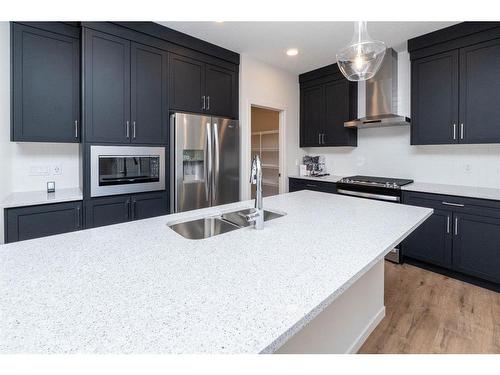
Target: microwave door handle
(216, 163)
(208, 162)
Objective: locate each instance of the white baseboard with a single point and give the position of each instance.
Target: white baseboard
(367, 332)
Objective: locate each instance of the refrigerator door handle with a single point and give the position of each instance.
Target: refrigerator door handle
(215, 184)
(208, 163)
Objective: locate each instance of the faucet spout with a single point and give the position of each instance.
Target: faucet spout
(256, 179)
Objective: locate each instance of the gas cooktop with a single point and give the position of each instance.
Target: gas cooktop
(392, 183)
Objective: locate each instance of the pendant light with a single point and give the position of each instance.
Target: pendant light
(362, 58)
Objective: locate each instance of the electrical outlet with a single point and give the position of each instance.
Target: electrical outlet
(39, 170)
(468, 168)
(57, 169)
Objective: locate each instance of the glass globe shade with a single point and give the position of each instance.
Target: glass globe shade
(362, 58)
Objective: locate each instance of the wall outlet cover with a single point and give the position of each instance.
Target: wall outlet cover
(57, 169)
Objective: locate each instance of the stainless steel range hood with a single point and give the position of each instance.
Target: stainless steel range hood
(382, 97)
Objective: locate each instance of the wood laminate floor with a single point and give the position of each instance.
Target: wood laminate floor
(430, 313)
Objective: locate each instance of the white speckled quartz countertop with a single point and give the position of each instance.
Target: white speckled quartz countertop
(331, 178)
(457, 190)
(32, 198)
(139, 287)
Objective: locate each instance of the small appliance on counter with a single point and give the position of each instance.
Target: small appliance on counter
(313, 166)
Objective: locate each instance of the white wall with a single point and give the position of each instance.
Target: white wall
(387, 151)
(264, 85)
(17, 159)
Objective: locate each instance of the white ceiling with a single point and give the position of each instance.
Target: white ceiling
(317, 42)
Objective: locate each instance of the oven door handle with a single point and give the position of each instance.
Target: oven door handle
(389, 198)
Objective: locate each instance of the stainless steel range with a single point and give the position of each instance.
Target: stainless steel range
(378, 188)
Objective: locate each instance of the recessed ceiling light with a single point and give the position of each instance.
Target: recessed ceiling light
(292, 52)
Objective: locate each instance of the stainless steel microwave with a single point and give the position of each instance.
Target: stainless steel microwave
(126, 169)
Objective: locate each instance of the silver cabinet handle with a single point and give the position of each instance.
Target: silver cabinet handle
(203, 98)
(456, 226)
(448, 225)
(127, 204)
(78, 216)
(76, 129)
(208, 102)
(454, 131)
(133, 129)
(311, 185)
(453, 204)
(323, 138)
(127, 129)
(319, 138)
(134, 209)
(461, 131)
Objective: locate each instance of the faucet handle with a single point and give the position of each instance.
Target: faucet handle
(251, 217)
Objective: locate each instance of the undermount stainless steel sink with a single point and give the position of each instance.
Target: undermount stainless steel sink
(206, 227)
(203, 228)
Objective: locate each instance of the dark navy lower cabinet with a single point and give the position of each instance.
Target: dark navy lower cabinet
(476, 246)
(119, 209)
(149, 205)
(107, 211)
(462, 236)
(24, 223)
(296, 184)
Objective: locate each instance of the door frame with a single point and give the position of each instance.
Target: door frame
(246, 145)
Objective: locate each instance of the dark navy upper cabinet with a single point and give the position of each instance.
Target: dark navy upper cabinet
(149, 104)
(312, 115)
(220, 91)
(187, 84)
(107, 87)
(45, 84)
(26, 223)
(476, 246)
(202, 88)
(480, 93)
(434, 99)
(455, 86)
(327, 100)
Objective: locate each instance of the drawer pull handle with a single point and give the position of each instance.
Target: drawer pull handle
(453, 204)
(311, 185)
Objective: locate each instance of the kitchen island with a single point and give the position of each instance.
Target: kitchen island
(139, 287)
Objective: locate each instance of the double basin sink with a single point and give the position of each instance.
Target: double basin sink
(210, 226)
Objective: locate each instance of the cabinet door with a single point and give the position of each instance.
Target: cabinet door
(149, 103)
(476, 246)
(434, 99)
(107, 210)
(25, 223)
(431, 242)
(221, 91)
(186, 80)
(336, 113)
(45, 86)
(312, 115)
(149, 205)
(107, 88)
(480, 93)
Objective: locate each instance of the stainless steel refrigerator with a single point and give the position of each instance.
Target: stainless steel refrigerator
(205, 155)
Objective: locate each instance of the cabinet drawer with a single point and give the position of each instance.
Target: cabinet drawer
(296, 184)
(26, 223)
(475, 206)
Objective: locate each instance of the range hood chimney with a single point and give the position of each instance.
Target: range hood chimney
(382, 97)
